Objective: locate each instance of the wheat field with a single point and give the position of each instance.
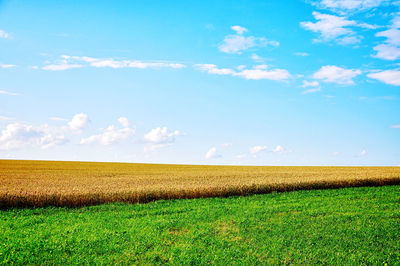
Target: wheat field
(74, 184)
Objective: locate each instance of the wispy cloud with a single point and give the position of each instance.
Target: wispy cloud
(257, 149)
(241, 156)
(363, 153)
(310, 91)
(390, 48)
(344, 6)
(58, 119)
(395, 126)
(236, 43)
(69, 62)
(313, 84)
(335, 28)
(307, 84)
(7, 66)
(301, 54)
(4, 118)
(256, 73)
(227, 144)
(336, 74)
(279, 149)
(4, 92)
(257, 58)
(62, 66)
(4, 34)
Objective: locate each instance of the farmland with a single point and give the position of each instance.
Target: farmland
(46, 183)
(350, 226)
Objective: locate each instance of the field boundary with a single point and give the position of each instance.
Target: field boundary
(9, 200)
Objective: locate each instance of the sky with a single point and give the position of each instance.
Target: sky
(262, 82)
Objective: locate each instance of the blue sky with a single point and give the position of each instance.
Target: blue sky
(207, 82)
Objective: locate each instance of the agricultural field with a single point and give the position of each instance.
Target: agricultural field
(48, 183)
(349, 226)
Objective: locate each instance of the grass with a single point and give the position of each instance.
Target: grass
(350, 226)
(47, 183)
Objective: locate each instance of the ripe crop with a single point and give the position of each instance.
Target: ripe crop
(50, 183)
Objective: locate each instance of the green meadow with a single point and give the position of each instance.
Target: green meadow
(349, 226)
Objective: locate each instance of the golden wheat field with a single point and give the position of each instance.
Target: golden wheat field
(46, 183)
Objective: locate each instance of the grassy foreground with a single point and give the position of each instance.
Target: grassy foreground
(345, 226)
(49, 183)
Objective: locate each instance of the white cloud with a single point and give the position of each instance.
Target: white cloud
(313, 84)
(78, 122)
(58, 119)
(9, 93)
(307, 84)
(347, 40)
(96, 62)
(212, 153)
(4, 34)
(4, 118)
(257, 149)
(241, 156)
(239, 29)
(227, 144)
(392, 35)
(337, 75)
(59, 67)
(363, 153)
(124, 121)
(387, 52)
(395, 126)
(391, 77)
(20, 135)
(160, 137)
(235, 44)
(213, 69)
(390, 48)
(257, 58)
(278, 149)
(329, 26)
(349, 5)
(68, 62)
(111, 135)
(7, 66)
(257, 73)
(263, 66)
(334, 28)
(302, 54)
(17, 135)
(336, 153)
(368, 26)
(311, 91)
(281, 150)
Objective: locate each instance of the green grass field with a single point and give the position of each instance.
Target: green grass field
(339, 226)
